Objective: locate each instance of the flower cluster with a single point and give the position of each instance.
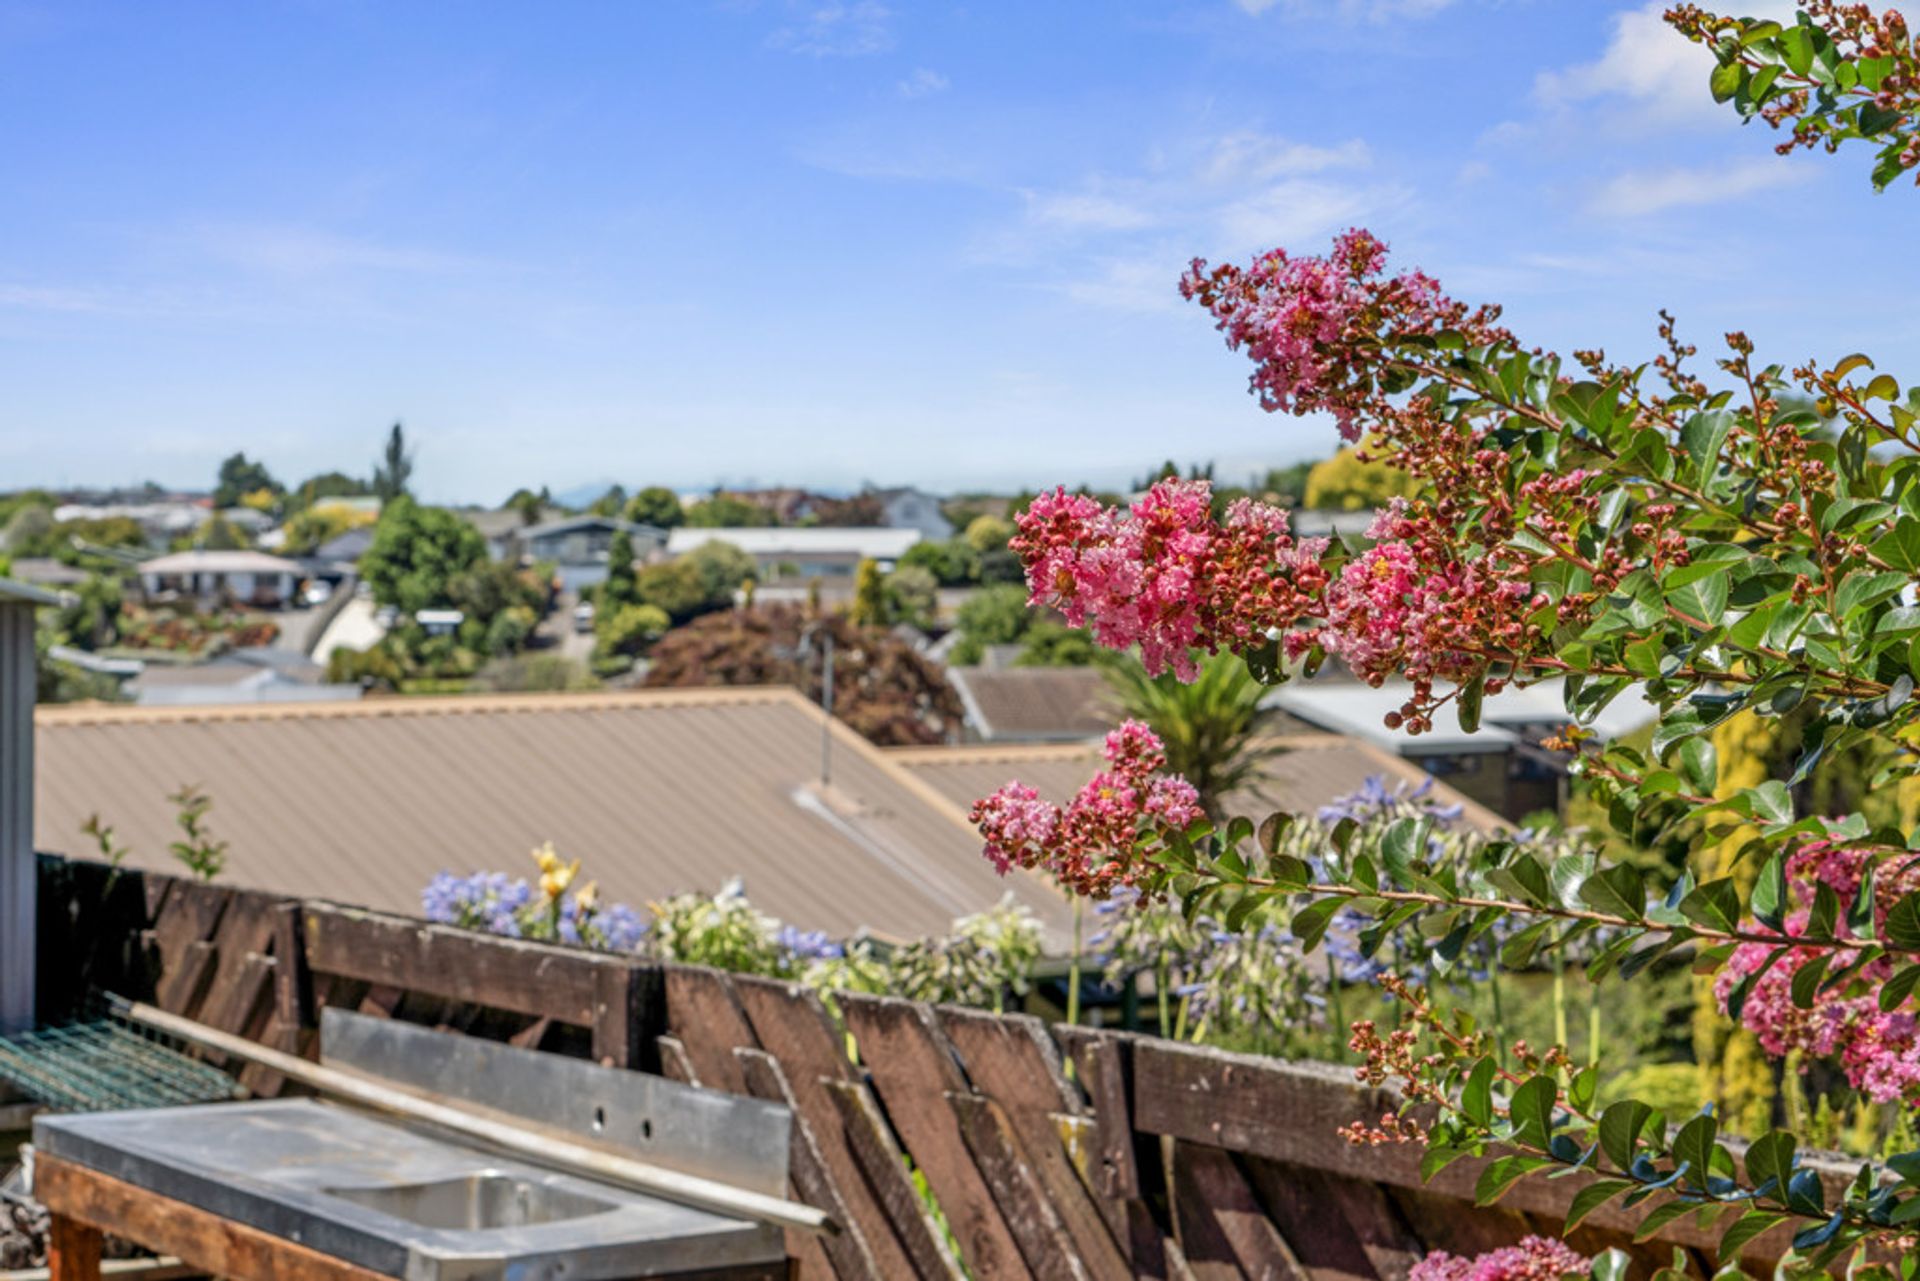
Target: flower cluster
(499, 904)
(1165, 574)
(1877, 1050)
(1102, 838)
(1313, 326)
(1533, 1259)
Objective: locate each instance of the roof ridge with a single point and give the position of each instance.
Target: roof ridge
(418, 705)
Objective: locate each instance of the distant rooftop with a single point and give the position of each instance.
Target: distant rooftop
(874, 543)
(219, 562)
(659, 791)
(1033, 704)
(1360, 710)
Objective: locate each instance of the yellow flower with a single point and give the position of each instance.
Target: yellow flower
(547, 857)
(589, 895)
(554, 882)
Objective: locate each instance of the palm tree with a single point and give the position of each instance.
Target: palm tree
(1211, 726)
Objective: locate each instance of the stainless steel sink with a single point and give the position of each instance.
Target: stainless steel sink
(410, 1201)
(475, 1202)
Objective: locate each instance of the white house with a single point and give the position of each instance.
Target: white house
(799, 553)
(221, 577)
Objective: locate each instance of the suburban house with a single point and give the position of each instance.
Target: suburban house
(579, 546)
(1313, 771)
(212, 579)
(1502, 763)
(657, 791)
(790, 554)
(1032, 704)
(915, 509)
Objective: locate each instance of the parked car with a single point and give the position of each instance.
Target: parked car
(583, 617)
(317, 593)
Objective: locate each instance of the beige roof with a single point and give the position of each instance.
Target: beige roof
(1034, 703)
(1316, 769)
(659, 791)
(219, 562)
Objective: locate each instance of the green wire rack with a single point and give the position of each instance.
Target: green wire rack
(107, 1064)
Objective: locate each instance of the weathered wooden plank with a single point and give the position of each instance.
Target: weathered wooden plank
(792, 1023)
(1011, 1060)
(1025, 1203)
(629, 1012)
(1223, 1231)
(1103, 1063)
(844, 1254)
(166, 1226)
(292, 980)
(913, 1071)
(704, 1015)
(883, 1164)
(459, 965)
(73, 1250)
(1290, 1111)
(1445, 1223)
(189, 914)
(1337, 1227)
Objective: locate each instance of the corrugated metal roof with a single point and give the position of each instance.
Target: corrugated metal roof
(659, 791)
(1314, 770)
(219, 562)
(1034, 703)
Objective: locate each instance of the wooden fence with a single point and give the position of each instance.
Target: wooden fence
(1145, 1158)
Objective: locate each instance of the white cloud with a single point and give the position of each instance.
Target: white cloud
(1086, 210)
(923, 83)
(1140, 284)
(1296, 213)
(838, 29)
(1249, 154)
(309, 251)
(1657, 74)
(1643, 192)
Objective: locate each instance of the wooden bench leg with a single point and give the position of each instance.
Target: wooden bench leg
(73, 1250)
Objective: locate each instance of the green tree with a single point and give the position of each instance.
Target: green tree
(315, 490)
(217, 534)
(913, 595)
(727, 511)
(393, 473)
(611, 503)
(240, 476)
(621, 587)
(1052, 644)
(416, 555)
(996, 615)
(952, 563)
(656, 505)
(1211, 727)
(869, 608)
(1344, 483)
(29, 531)
(702, 581)
(531, 507)
(987, 534)
(627, 630)
(307, 530)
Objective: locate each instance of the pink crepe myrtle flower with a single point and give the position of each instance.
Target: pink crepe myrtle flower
(1533, 1259)
(1878, 1051)
(1101, 839)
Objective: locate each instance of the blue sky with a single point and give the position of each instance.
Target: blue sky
(835, 241)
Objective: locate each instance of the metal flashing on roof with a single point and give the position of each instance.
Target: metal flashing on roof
(14, 590)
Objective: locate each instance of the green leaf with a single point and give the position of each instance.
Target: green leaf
(1620, 1127)
(1700, 761)
(1898, 988)
(1770, 1158)
(1502, 1173)
(1694, 1145)
(1900, 546)
(1591, 1198)
(1746, 1228)
(1310, 922)
(1769, 902)
(1476, 1097)
(1902, 928)
(1715, 905)
(1617, 890)
(1725, 81)
(1531, 1110)
(1704, 600)
(1771, 801)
